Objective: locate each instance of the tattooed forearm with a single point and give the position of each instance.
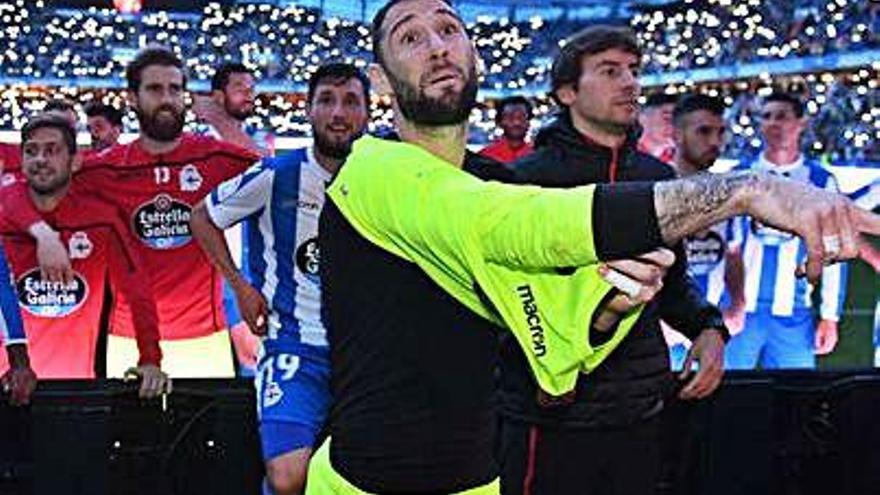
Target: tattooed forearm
(687, 206)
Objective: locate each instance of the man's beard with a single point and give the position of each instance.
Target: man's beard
(448, 109)
(102, 144)
(334, 149)
(57, 183)
(161, 129)
(706, 161)
(239, 112)
(702, 162)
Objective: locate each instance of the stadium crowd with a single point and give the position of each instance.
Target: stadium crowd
(720, 32)
(284, 44)
(844, 125)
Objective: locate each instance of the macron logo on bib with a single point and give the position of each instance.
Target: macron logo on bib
(533, 319)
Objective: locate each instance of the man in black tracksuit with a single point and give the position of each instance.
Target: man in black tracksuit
(605, 438)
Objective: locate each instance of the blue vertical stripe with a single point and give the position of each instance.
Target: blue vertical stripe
(256, 263)
(772, 274)
(12, 327)
(285, 196)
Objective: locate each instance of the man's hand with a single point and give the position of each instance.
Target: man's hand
(252, 305)
(207, 110)
(51, 254)
(826, 336)
(708, 351)
(829, 223)
(246, 345)
(154, 382)
(735, 318)
(19, 382)
(639, 280)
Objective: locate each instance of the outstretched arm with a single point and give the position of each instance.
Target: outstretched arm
(828, 222)
(227, 205)
(251, 303)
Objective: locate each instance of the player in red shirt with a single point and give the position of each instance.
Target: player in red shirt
(655, 119)
(157, 179)
(513, 116)
(62, 319)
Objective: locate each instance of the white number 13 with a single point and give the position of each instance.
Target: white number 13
(163, 175)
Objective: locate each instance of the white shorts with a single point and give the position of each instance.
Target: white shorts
(201, 357)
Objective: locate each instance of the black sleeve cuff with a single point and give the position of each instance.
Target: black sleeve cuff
(712, 318)
(624, 220)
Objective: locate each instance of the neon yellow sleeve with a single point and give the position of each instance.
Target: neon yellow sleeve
(506, 241)
(407, 192)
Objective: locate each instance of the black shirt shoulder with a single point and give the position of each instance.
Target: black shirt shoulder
(649, 167)
(486, 168)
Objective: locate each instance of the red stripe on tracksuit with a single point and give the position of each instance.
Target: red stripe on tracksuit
(534, 437)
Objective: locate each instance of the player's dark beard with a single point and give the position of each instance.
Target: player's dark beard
(161, 128)
(331, 148)
(58, 182)
(238, 113)
(100, 144)
(449, 109)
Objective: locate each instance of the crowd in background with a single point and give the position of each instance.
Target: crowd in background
(285, 45)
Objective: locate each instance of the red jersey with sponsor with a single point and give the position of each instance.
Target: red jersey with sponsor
(501, 150)
(62, 320)
(157, 193)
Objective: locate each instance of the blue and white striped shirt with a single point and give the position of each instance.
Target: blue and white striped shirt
(706, 256)
(280, 200)
(771, 256)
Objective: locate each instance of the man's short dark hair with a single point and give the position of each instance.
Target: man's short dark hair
(660, 99)
(338, 73)
(512, 101)
(696, 102)
(98, 109)
(60, 105)
(154, 55)
(796, 104)
(221, 77)
(51, 121)
(589, 41)
(376, 28)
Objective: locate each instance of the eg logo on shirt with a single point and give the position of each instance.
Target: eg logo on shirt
(308, 259)
(163, 223)
(50, 299)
